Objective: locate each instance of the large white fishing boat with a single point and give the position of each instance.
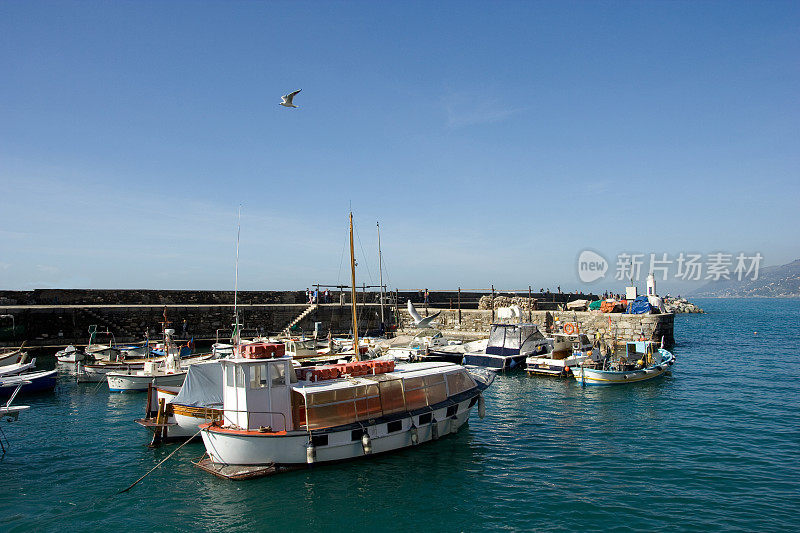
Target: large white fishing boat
(274, 417)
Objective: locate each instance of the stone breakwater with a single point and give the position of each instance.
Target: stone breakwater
(475, 323)
(58, 325)
(523, 302)
(680, 305)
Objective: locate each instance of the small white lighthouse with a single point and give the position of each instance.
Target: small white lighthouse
(651, 285)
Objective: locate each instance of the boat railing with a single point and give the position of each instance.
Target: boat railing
(228, 419)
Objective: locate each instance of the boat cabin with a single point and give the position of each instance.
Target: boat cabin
(255, 393)
(300, 348)
(509, 344)
(265, 395)
(340, 402)
(641, 351)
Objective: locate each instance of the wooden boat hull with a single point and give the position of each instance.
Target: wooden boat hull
(98, 373)
(9, 358)
(16, 368)
(586, 376)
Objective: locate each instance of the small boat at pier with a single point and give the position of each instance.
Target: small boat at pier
(642, 360)
(175, 413)
(17, 368)
(10, 357)
(70, 354)
(566, 351)
(508, 347)
(31, 382)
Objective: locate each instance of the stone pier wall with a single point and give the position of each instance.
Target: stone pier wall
(49, 325)
(475, 323)
(51, 317)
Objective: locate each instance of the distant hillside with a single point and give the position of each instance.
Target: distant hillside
(774, 282)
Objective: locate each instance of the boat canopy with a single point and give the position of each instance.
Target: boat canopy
(513, 339)
(368, 397)
(203, 386)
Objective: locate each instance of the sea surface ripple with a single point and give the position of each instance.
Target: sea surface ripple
(714, 445)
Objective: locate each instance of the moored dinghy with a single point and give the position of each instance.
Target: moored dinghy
(31, 382)
(272, 419)
(17, 368)
(642, 360)
(168, 373)
(198, 401)
(10, 357)
(568, 350)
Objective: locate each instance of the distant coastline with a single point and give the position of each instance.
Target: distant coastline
(772, 282)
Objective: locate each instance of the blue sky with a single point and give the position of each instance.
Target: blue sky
(493, 141)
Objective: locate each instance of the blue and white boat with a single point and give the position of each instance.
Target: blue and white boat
(642, 361)
(31, 382)
(508, 347)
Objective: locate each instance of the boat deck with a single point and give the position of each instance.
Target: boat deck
(240, 472)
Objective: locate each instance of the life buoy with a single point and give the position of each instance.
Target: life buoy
(570, 328)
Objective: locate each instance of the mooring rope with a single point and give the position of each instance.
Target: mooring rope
(160, 463)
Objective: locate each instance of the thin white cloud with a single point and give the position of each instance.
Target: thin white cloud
(472, 108)
(47, 269)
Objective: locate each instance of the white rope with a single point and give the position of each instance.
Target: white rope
(160, 463)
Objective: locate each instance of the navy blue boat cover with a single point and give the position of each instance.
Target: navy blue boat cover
(639, 306)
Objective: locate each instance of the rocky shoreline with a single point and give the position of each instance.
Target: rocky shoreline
(680, 305)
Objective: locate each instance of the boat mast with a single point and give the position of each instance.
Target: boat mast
(236, 335)
(380, 269)
(353, 290)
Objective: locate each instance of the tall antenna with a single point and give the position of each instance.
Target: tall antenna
(380, 269)
(236, 335)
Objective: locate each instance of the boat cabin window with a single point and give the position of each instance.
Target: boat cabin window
(336, 407)
(392, 398)
(277, 374)
(435, 388)
(235, 376)
(458, 382)
(423, 391)
(258, 376)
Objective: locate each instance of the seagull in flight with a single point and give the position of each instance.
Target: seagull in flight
(420, 322)
(287, 99)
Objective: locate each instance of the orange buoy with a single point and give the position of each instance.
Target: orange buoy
(569, 328)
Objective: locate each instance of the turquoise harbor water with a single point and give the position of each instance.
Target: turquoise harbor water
(715, 445)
